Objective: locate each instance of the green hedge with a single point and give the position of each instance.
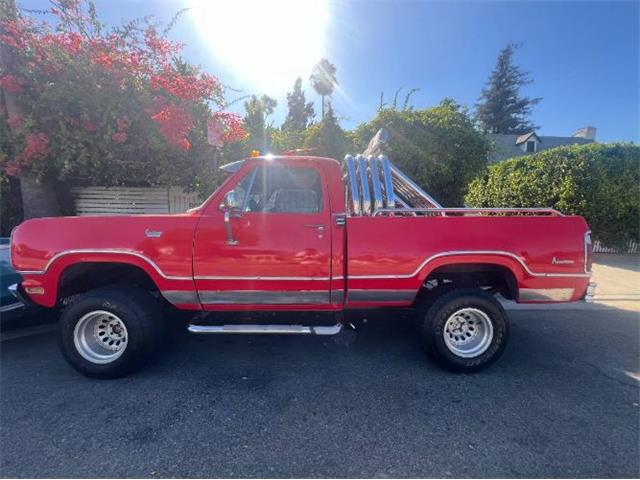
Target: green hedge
(599, 181)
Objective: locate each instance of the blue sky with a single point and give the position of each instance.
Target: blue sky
(583, 56)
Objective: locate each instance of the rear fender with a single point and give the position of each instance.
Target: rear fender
(508, 260)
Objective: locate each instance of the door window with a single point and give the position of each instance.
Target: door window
(281, 189)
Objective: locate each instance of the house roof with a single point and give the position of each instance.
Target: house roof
(527, 136)
(508, 145)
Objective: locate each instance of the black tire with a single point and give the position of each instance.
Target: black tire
(141, 315)
(435, 318)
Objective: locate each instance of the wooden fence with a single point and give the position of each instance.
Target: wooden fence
(128, 201)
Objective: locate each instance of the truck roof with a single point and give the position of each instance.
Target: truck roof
(235, 166)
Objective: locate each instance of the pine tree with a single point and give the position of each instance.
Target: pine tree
(255, 121)
(301, 112)
(501, 109)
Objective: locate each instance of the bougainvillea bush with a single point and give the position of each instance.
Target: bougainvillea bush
(101, 106)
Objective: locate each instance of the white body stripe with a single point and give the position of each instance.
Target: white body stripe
(385, 276)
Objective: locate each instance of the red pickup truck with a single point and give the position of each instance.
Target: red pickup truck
(300, 233)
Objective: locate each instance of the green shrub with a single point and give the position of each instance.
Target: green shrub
(598, 181)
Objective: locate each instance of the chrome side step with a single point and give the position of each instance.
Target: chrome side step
(268, 329)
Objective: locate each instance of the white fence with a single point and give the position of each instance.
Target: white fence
(127, 201)
(630, 247)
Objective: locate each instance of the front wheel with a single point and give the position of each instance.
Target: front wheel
(465, 330)
(110, 331)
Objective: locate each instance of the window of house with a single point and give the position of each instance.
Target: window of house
(531, 146)
(281, 189)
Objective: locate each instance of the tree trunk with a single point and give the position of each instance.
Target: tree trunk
(322, 96)
(38, 199)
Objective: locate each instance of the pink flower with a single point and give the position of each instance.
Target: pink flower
(14, 121)
(36, 146)
(184, 144)
(11, 83)
(12, 168)
(119, 137)
(87, 124)
(122, 123)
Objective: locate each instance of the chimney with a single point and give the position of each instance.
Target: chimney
(586, 132)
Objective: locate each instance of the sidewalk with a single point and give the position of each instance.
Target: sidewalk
(618, 279)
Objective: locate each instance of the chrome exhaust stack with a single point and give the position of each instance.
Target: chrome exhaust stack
(391, 188)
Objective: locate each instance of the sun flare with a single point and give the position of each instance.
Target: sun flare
(266, 43)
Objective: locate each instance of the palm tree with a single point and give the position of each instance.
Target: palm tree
(323, 79)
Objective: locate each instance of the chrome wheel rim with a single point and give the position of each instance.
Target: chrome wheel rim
(468, 332)
(100, 337)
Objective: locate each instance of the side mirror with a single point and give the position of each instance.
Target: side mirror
(230, 201)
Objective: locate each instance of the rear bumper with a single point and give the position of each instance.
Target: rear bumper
(590, 293)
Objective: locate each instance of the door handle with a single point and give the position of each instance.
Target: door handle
(313, 225)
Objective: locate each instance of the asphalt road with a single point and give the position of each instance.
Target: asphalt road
(562, 402)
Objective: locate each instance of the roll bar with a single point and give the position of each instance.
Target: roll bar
(395, 194)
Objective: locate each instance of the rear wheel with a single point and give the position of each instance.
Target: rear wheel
(465, 330)
(110, 331)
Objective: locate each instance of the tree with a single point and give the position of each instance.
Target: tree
(323, 80)
(599, 181)
(103, 107)
(255, 121)
(327, 138)
(439, 147)
(405, 105)
(300, 112)
(501, 109)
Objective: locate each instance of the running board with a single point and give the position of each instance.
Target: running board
(269, 329)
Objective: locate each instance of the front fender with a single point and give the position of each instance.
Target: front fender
(43, 286)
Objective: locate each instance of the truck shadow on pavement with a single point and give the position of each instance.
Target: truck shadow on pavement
(562, 402)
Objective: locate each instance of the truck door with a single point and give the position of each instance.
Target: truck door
(270, 246)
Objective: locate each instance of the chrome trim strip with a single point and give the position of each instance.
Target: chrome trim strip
(214, 277)
(120, 251)
(353, 185)
(364, 185)
(263, 297)
(337, 296)
(440, 211)
(587, 243)
(181, 297)
(545, 294)
(472, 252)
(268, 329)
(11, 306)
(381, 295)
